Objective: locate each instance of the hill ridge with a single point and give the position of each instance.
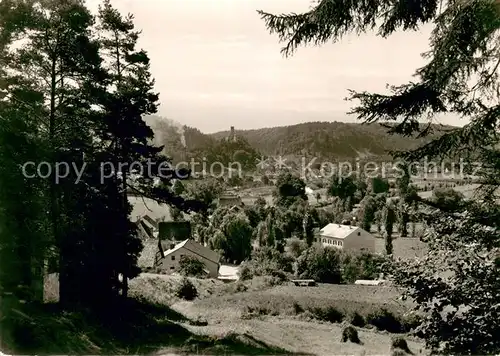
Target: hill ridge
(323, 139)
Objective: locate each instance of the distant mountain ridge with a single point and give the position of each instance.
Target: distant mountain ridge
(338, 140)
(329, 140)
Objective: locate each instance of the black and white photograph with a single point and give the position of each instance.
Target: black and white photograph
(250, 177)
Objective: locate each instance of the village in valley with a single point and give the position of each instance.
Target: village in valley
(307, 236)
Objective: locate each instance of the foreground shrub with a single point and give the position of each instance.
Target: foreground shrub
(240, 287)
(250, 312)
(297, 308)
(198, 322)
(384, 320)
(186, 290)
(411, 322)
(191, 267)
(245, 271)
(349, 333)
(357, 320)
(330, 314)
(398, 352)
(399, 343)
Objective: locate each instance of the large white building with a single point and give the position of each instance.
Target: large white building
(346, 237)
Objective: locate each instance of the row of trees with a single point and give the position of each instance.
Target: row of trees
(74, 88)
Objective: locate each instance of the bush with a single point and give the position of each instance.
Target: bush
(411, 322)
(321, 264)
(398, 352)
(330, 314)
(399, 343)
(186, 290)
(384, 320)
(191, 267)
(266, 261)
(349, 333)
(250, 312)
(296, 247)
(357, 319)
(198, 322)
(240, 287)
(245, 271)
(297, 309)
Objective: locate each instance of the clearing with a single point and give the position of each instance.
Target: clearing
(280, 322)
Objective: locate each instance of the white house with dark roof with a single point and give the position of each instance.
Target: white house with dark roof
(170, 254)
(346, 237)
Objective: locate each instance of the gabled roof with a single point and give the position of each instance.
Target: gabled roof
(176, 247)
(148, 253)
(147, 223)
(195, 248)
(144, 206)
(339, 231)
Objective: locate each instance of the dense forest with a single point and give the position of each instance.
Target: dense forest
(327, 140)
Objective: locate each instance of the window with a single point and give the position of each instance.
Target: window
(181, 256)
(341, 243)
(172, 267)
(359, 233)
(173, 258)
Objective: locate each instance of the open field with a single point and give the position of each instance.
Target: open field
(466, 190)
(250, 195)
(247, 318)
(279, 324)
(347, 298)
(404, 247)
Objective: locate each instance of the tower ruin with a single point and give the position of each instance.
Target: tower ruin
(232, 136)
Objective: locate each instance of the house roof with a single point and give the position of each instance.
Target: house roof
(146, 207)
(147, 223)
(339, 231)
(148, 253)
(143, 231)
(195, 248)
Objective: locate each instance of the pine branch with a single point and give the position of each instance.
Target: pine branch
(408, 103)
(333, 19)
(477, 133)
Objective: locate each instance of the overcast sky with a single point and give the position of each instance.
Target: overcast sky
(216, 65)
